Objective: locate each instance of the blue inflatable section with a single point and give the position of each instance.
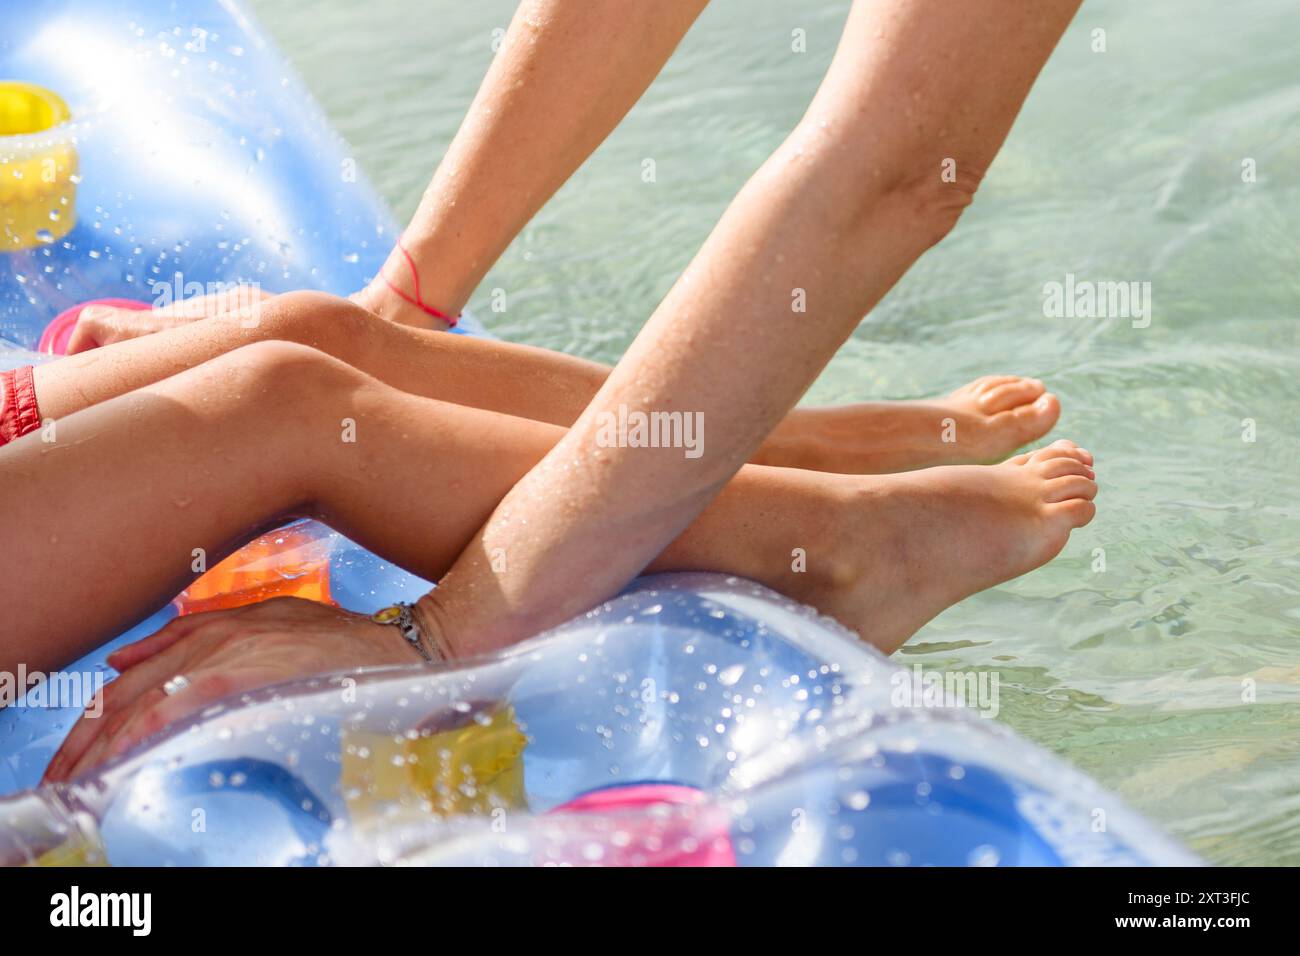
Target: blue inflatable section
(202, 161)
(694, 720)
(792, 734)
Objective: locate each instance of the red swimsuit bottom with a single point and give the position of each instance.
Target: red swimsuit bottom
(18, 411)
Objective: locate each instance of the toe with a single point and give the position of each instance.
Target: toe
(1063, 448)
(1008, 395)
(986, 382)
(1068, 487)
(973, 390)
(1077, 511)
(1032, 420)
(1061, 467)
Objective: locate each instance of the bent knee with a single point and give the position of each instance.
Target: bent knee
(931, 196)
(916, 184)
(940, 199)
(288, 370)
(318, 319)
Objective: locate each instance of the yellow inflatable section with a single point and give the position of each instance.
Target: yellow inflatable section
(38, 167)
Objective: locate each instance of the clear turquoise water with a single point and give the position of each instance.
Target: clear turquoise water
(1125, 165)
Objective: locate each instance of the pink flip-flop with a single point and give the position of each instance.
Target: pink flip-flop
(57, 335)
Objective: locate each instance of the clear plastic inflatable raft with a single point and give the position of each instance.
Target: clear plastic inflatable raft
(693, 720)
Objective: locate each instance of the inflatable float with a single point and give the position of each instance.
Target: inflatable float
(150, 151)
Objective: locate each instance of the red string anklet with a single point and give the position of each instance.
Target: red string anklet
(417, 301)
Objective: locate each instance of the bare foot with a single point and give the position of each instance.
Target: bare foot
(979, 422)
(905, 547)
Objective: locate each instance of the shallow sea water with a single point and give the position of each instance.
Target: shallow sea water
(1171, 675)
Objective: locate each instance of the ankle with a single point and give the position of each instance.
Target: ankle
(840, 564)
(415, 287)
(387, 305)
(818, 553)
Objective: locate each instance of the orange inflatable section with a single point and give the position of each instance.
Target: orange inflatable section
(290, 562)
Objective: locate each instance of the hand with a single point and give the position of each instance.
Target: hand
(104, 324)
(221, 653)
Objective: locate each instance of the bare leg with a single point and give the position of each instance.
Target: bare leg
(566, 74)
(979, 422)
(914, 108)
(111, 514)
